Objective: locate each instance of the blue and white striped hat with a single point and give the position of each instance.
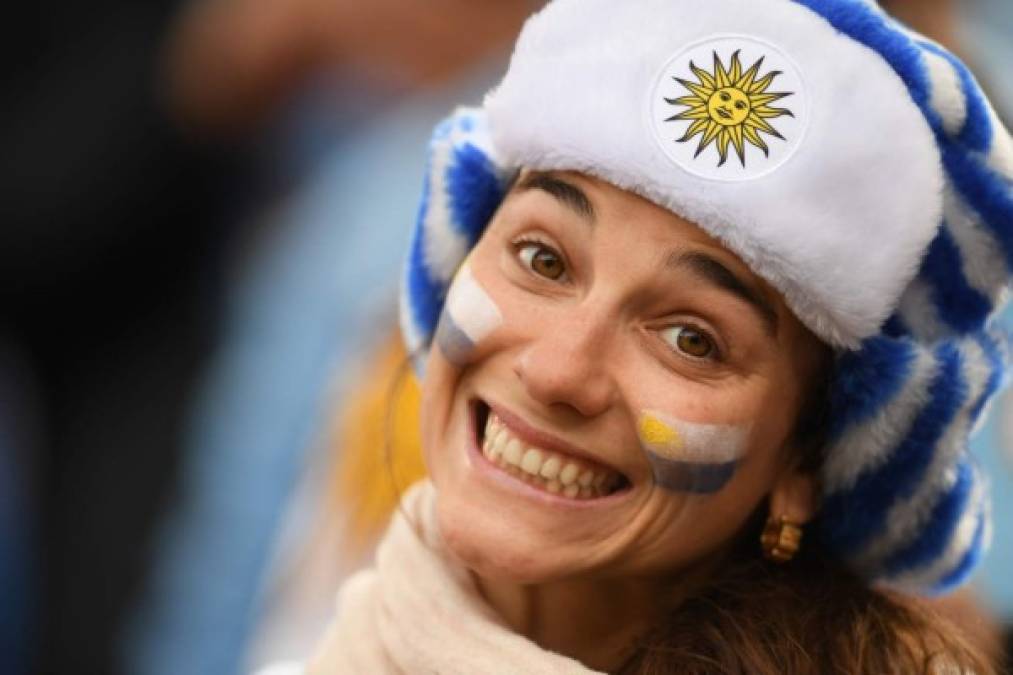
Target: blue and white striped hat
(852, 163)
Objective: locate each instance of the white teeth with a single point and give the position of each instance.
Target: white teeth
(542, 469)
(550, 468)
(569, 473)
(532, 461)
(497, 444)
(513, 451)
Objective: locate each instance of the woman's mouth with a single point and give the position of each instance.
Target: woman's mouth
(544, 469)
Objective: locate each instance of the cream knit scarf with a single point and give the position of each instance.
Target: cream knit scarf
(418, 611)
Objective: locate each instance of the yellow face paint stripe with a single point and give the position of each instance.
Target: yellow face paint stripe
(655, 432)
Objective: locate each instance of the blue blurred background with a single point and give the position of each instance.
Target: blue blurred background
(206, 205)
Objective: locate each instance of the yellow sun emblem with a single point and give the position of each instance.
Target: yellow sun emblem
(729, 107)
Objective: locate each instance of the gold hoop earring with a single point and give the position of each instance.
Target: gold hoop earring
(780, 539)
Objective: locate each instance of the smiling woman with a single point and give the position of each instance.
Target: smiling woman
(685, 414)
(625, 381)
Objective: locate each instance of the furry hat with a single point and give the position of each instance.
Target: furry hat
(853, 164)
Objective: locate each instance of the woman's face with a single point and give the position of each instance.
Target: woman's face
(611, 392)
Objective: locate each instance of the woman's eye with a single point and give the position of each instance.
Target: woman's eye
(689, 341)
(543, 261)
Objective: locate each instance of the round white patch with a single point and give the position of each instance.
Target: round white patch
(729, 108)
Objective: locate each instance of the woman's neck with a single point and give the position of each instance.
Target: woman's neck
(594, 621)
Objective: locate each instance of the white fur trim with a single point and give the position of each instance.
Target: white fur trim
(413, 338)
(983, 262)
(916, 581)
(1000, 155)
(866, 447)
(947, 96)
(444, 247)
(821, 228)
(479, 135)
(918, 311)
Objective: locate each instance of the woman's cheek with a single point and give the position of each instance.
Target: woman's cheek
(469, 316)
(690, 457)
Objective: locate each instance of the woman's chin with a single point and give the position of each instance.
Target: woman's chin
(495, 548)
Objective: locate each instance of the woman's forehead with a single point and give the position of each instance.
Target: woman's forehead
(601, 204)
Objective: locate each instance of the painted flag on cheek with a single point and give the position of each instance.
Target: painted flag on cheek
(690, 457)
(469, 315)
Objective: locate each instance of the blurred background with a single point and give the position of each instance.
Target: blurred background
(205, 205)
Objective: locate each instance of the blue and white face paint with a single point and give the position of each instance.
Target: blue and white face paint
(690, 457)
(469, 315)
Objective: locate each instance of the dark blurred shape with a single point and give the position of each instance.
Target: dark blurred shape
(936, 19)
(234, 63)
(111, 224)
(18, 437)
(1007, 665)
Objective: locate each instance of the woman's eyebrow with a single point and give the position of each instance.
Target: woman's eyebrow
(567, 193)
(714, 272)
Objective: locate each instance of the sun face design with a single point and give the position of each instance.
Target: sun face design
(729, 107)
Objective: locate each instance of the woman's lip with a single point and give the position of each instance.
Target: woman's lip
(540, 439)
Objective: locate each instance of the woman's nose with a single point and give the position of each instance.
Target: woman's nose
(567, 365)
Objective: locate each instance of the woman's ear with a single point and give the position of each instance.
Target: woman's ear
(795, 496)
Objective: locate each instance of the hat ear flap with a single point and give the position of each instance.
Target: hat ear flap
(904, 502)
(462, 188)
